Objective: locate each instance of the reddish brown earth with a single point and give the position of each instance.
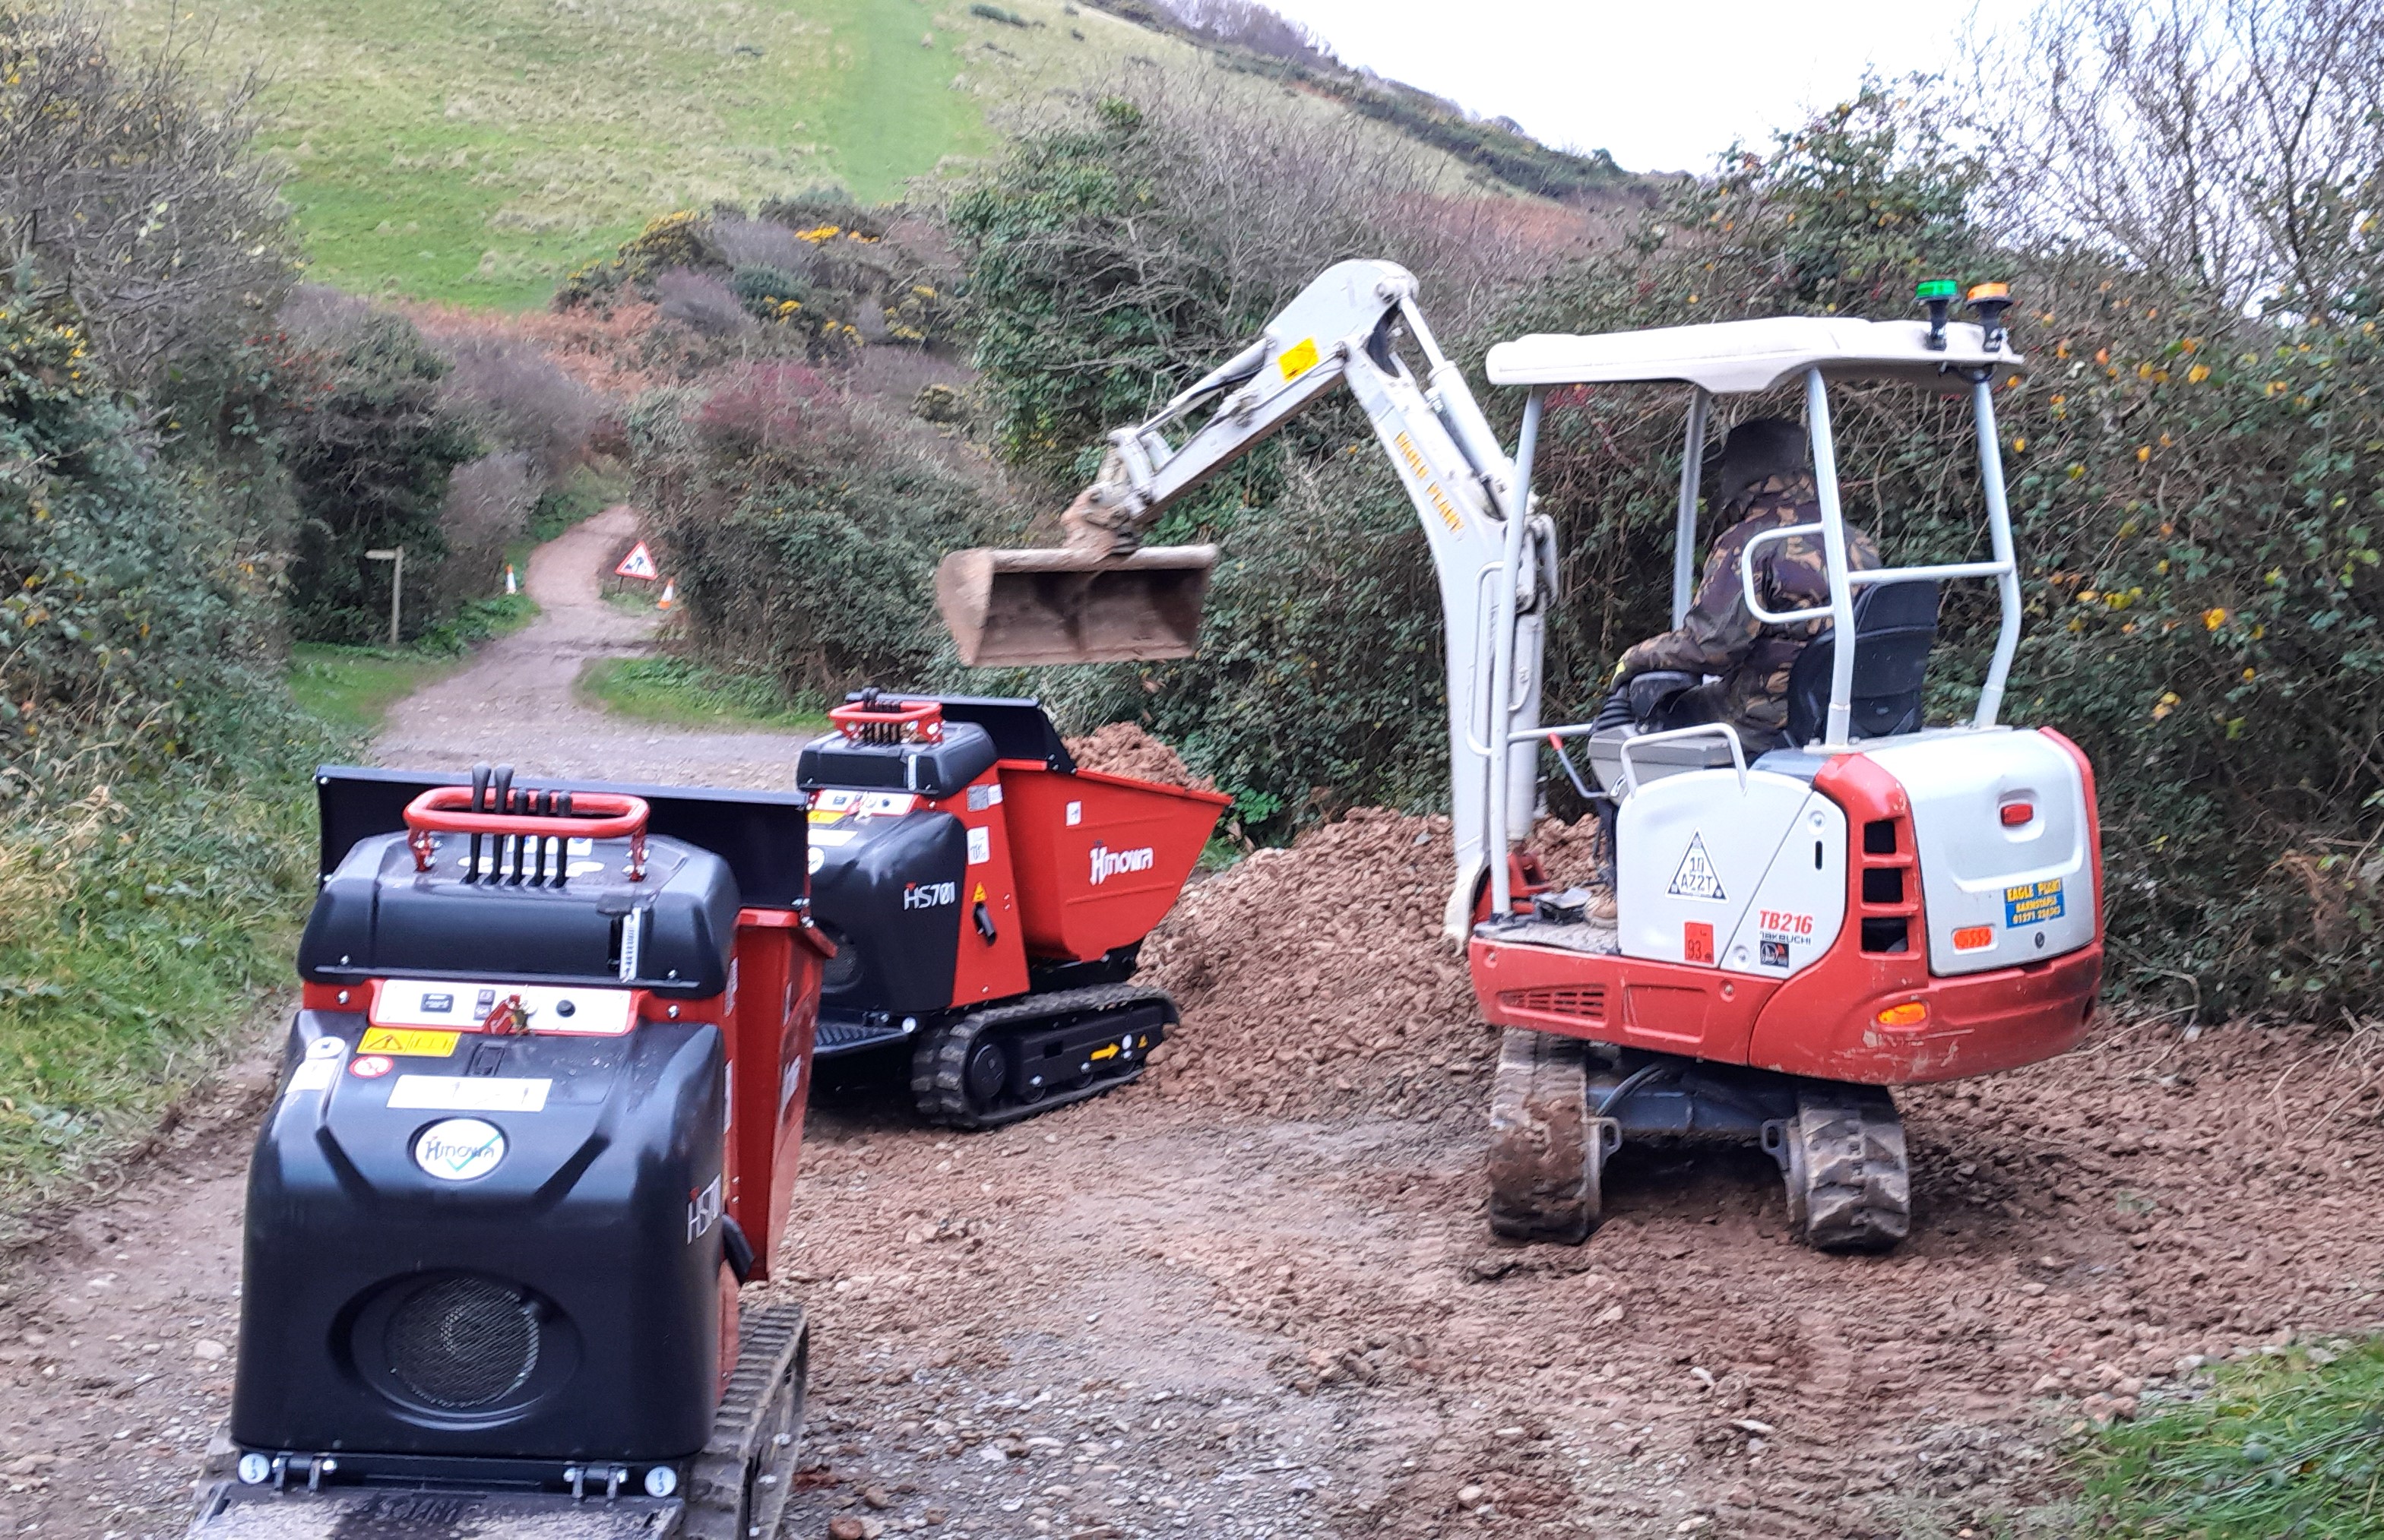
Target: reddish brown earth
(1254, 1293)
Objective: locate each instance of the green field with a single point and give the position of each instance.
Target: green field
(474, 152)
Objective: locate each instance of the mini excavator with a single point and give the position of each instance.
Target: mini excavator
(1800, 924)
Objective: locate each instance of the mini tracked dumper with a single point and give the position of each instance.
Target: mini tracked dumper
(987, 899)
(539, 1118)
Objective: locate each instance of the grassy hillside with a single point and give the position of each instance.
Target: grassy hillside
(474, 150)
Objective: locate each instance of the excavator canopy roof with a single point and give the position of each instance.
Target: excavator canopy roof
(1737, 357)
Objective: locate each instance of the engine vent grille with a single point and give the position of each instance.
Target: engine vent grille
(463, 1342)
(1577, 1003)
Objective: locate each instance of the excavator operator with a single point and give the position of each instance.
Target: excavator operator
(1763, 476)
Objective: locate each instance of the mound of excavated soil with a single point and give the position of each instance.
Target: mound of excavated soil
(1315, 979)
(1122, 748)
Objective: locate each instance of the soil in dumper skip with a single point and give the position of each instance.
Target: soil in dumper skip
(1253, 1294)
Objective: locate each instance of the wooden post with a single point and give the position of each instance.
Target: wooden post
(395, 557)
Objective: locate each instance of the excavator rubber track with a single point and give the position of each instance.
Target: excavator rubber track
(1547, 1151)
(1843, 1158)
(950, 1074)
(737, 1488)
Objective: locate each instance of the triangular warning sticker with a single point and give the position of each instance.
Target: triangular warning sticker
(1697, 878)
(639, 563)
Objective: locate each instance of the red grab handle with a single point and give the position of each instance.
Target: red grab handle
(448, 810)
(890, 721)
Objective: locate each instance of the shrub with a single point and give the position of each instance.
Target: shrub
(121, 608)
(701, 302)
(2198, 494)
(369, 449)
(136, 197)
(488, 505)
(518, 397)
(804, 529)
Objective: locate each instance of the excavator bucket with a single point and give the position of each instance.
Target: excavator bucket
(1067, 605)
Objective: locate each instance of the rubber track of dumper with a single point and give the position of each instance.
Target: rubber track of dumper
(1544, 1169)
(1857, 1184)
(771, 1351)
(940, 1061)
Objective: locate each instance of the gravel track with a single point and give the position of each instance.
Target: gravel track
(1254, 1294)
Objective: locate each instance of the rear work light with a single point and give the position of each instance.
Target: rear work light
(1912, 1013)
(2017, 813)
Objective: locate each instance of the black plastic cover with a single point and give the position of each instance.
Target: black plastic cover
(888, 892)
(936, 769)
(760, 834)
(580, 1272)
(376, 916)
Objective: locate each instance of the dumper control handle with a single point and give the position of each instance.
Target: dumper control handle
(873, 720)
(531, 816)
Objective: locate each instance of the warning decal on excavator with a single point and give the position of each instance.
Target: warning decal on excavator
(1696, 942)
(1297, 359)
(1697, 878)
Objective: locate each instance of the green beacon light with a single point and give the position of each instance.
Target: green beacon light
(1938, 294)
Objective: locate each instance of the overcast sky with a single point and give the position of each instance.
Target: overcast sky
(1665, 86)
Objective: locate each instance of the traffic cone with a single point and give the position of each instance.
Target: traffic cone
(512, 585)
(670, 595)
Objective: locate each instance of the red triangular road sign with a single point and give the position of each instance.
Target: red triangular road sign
(639, 563)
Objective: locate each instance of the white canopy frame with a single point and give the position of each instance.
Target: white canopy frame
(1760, 356)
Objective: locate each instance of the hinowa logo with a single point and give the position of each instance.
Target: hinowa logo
(1108, 863)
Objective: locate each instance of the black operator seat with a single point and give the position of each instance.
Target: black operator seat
(1896, 624)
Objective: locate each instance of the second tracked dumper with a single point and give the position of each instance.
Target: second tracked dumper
(988, 899)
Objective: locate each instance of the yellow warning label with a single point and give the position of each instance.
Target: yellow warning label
(408, 1042)
(1106, 1051)
(1297, 359)
(980, 894)
(825, 815)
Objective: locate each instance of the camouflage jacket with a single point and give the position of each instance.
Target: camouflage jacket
(1721, 636)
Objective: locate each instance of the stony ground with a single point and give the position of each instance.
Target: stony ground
(1254, 1294)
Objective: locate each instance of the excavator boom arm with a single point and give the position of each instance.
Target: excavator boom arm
(1106, 596)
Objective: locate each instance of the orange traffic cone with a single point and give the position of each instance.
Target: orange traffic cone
(670, 595)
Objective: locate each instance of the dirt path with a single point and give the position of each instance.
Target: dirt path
(515, 704)
(1254, 1295)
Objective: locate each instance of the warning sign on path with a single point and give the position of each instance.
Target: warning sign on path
(639, 563)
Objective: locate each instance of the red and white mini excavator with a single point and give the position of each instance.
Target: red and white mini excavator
(1869, 901)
